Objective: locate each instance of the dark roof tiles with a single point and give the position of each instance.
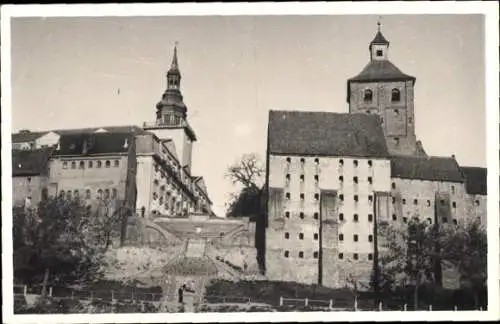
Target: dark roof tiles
(96, 143)
(426, 168)
(381, 70)
(325, 133)
(379, 39)
(475, 180)
(30, 162)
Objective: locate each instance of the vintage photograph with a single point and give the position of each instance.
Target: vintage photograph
(248, 163)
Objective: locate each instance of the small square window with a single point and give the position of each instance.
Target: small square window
(341, 197)
(455, 222)
(287, 235)
(370, 238)
(341, 237)
(370, 217)
(356, 198)
(405, 220)
(355, 237)
(287, 214)
(316, 236)
(301, 236)
(287, 254)
(288, 160)
(316, 177)
(341, 216)
(370, 163)
(341, 162)
(301, 254)
(415, 201)
(393, 185)
(315, 255)
(454, 204)
(370, 256)
(301, 196)
(341, 256)
(355, 256)
(379, 53)
(355, 163)
(301, 177)
(341, 178)
(356, 218)
(316, 196)
(355, 179)
(394, 217)
(370, 180)
(316, 215)
(301, 215)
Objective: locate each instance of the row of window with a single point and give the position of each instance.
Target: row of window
(395, 95)
(90, 164)
(429, 220)
(301, 236)
(100, 194)
(428, 202)
(355, 256)
(341, 178)
(355, 163)
(341, 216)
(316, 197)
(302, 215)
(356, 237)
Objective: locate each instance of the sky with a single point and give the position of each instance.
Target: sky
(66, 73)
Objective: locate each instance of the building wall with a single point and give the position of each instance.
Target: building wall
(28, 186)
(182, 143)
(49, 139)
(294, 209)
(88, 176)
(398, 117)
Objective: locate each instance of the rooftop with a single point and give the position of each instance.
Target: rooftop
(325, 133)
(30, 162)
(475, 180)
(93, 143)
(429, 168)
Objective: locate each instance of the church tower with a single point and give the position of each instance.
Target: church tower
(381, 88)
(171, 116)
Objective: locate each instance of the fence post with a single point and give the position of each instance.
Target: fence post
(281, 300)
(430, 308)
(25, 290)
(481, 308)
(355, 303)
(331, 304)
(91, 295)
(455, 308)
(380, 306)
(50, 291)
(72, 294)
(306, 302)
(405, 307)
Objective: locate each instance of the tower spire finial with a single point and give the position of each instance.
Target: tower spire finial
(378, 23)
(175, 64)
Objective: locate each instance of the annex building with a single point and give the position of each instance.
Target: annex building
(332, 176)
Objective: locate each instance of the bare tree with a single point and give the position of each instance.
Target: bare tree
(247, 172)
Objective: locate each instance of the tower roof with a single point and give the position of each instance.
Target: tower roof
(382, 70)
(174, 66)
(379, 39)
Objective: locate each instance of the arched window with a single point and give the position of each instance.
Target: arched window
(99, 164)
(88, 194)
(68, 195)
(106, 193)
(82, 164)
(91, 164)
(108, 164)
(368, 97)
(73, 165)
(76, 193)
(395, 95)
(114, 193)
(99, 194)
(117, 163)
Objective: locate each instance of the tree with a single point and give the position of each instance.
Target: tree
(51, 243)
(465, 248)
(247, 174)
(409, 256)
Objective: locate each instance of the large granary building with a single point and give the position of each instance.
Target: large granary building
(332, 176)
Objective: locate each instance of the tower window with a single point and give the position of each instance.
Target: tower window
(368, 96)
(287, 235)
(341, 216)
(341, 162)
(316, 160)
(395, 95)
(370, 163)
(355, 163)
(356, 217)
(355, 237)
(341, 237)
(379, 53)
(370, 238)
(370, 217)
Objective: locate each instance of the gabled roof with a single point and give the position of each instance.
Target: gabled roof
(23, 137)
(30, 162)
(475, 180)
(429, 168)
(94, 143)
(325, 133)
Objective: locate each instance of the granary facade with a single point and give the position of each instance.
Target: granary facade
(331, 177)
